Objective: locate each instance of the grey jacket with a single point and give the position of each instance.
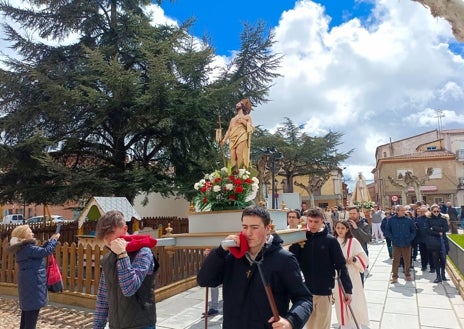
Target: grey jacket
(363, 233)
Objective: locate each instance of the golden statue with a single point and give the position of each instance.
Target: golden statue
(239, 135)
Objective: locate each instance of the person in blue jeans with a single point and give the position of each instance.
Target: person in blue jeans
(214, 305)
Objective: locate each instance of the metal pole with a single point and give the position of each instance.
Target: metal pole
(206, 308)
(273, 181)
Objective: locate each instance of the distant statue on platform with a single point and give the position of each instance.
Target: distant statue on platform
(239, 135)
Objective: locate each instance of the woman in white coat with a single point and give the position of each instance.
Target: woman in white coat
(356, 262)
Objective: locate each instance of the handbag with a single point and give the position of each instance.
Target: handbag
(54, 279)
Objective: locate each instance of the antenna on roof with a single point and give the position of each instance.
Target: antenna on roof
(439, 115)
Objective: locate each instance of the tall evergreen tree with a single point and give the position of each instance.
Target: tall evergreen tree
(129, 107)
(303, 156)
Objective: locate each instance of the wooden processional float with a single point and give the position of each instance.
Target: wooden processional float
(208, 229)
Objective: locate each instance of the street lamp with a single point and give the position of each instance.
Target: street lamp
(273, 155)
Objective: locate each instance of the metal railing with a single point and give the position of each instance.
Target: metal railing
(456, 254)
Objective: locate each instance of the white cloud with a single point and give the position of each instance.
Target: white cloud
(372, 82)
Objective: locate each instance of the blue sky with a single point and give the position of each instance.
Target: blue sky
(223, 25)
(373, 70)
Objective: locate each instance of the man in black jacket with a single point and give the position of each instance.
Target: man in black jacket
(321, 259)
(245, 303)
(453, 217)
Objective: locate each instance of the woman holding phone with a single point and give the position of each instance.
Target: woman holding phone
(32, 273)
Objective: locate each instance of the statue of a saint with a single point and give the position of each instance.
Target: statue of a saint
(239, 135)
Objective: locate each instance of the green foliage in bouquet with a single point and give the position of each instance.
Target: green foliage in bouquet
(226, 189)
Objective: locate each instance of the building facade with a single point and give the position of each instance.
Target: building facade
(428, 167)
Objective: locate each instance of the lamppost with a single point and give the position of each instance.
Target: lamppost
(273, 155)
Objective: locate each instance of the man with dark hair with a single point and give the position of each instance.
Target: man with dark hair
(125, 296)
(360, 228)
(293, 219)
(304, 207)
(246, 304)
(321, 260)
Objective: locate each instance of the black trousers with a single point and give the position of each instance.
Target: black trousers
(424, 254)
(29, 319)
(439, 260)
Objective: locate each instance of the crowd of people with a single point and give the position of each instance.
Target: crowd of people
(337, 240)
(295, 287)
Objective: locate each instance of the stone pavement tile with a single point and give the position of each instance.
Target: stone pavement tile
(374, 324)
(430, 288)
(400, 306)
(182, 319)
(459, 309)
(376, 285)
(375, 297)
(399, 321)
(375, 311)
(435, 301)
(453, 293)
(402, 290)
(438, 318)
(382, 274)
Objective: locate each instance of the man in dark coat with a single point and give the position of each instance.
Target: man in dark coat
(321, 259)
(453, 217)
(421, 235)
(401, 230)
(245, 303)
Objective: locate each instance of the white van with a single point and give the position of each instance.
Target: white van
(13, 219)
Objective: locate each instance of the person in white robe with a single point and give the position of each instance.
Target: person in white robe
(356, 262)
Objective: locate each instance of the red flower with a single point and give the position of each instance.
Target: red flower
(248, 181)
(238, 189)
(203, 189)
(232, 197)
(217, 180)
(205, 200)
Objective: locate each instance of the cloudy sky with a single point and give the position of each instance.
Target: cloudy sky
(373, 70)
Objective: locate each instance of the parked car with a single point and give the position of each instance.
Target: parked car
(39, 219)
(13, 219)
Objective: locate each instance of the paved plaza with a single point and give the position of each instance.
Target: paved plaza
(419, 304)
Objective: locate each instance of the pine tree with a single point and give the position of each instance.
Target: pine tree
(128, 107)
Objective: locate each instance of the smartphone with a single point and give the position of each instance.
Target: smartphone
(58, 228)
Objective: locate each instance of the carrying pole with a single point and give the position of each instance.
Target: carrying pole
(349, 306)
(206, 308)
(267, 288)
